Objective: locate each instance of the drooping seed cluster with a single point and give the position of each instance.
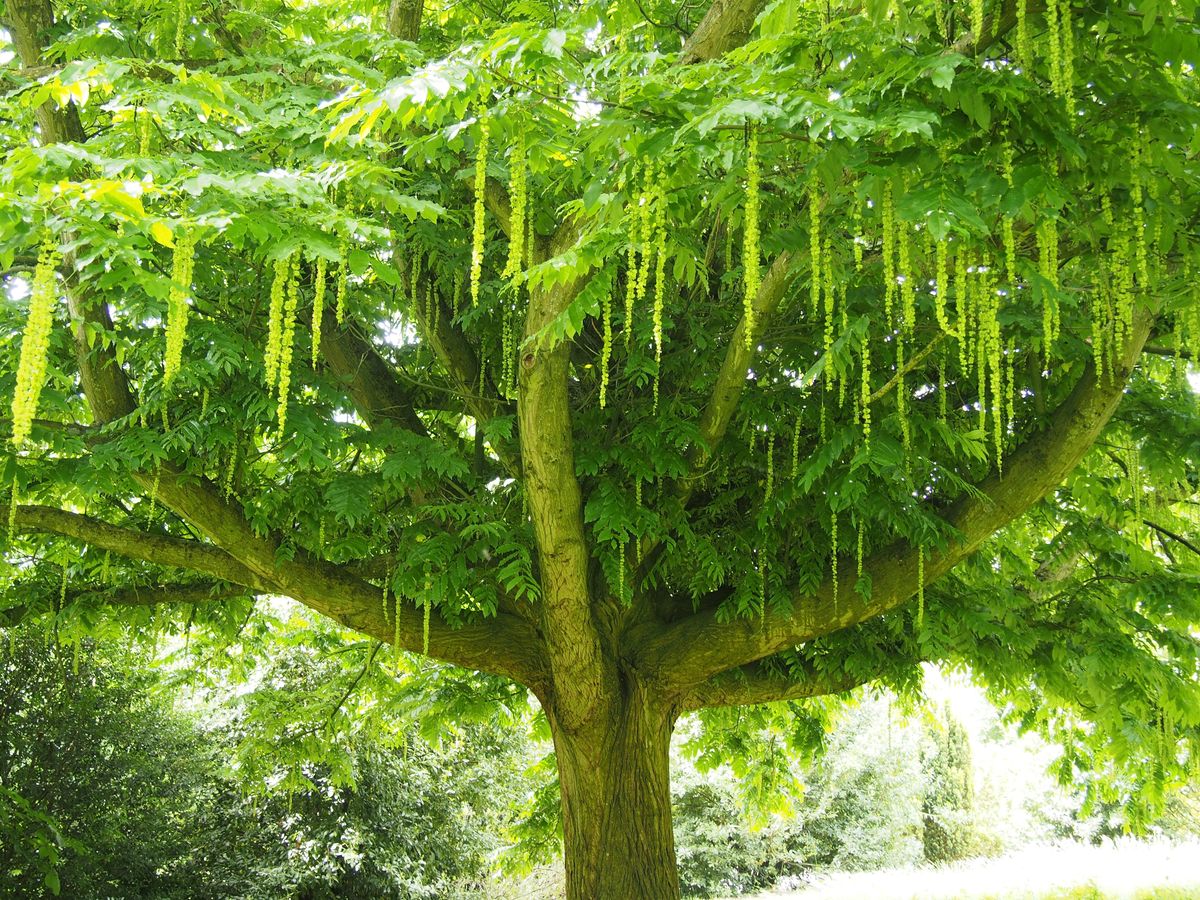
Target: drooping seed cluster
(182, 265)
(888, 222)
(285, 298)
(318, 308)
(1022, 46)
(518, 199)
(477, 231)
(660, 279)
(287, 335)
(977, 19)
(283, 268)
(342, 277)
(751, 276)
(769, 486)
(814, 242)
(1047, 241)
(833, 554)
(35, 340)
(606, 344)
(181, 18)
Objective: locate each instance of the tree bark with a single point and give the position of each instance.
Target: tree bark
(616, 800)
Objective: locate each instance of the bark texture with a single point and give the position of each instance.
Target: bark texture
(616, 801)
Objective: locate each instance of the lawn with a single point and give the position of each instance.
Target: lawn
(1125, 870)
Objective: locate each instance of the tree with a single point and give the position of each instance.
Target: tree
(949, 803)
(655, 358)
(104, 765)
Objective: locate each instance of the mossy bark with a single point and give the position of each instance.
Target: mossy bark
(616, 801)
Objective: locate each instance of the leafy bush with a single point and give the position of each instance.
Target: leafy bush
(106, 787)
(718, 852)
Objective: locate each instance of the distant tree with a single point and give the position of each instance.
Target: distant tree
(91, 748)
(656, 357)
(107, 790)
(949, 803)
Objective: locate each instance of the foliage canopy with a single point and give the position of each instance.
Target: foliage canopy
(656, 358)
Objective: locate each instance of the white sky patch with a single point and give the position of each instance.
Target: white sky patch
(585, 107)
(399, 333)
(17, 288)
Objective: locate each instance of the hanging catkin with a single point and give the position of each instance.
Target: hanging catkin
(286, 336)
(1067, 57)
(477, 232)
(942, 286)
(814, 242)
(606, 345)
(318, 309)
(283, 268)
(182, 261)
(343, 272)
(646, 230)
(888, 216)
(833, 554)
(750, 253)
(660, 279)
(865, 397)
(35, 340)
(518, 200)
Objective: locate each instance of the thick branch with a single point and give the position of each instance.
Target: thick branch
(377, 395)
(726, 26)
(583, 674)
(731, 380)
(1169, 352)
(155, 594)
(752, 684)
(160, 549)
(690, 651)
(404, 19)
(496, 198)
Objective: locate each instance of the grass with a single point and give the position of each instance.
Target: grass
(1124, 870)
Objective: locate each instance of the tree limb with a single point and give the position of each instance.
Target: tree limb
(731, 379)
(404, 19)
(376, 393)
(692, 650)
(909, 365)
(754, 683)
(160, 549)
(1178, 538)
(725, 26)
(583, 673)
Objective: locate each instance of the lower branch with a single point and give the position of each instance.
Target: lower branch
(753, 684)
(160, 549)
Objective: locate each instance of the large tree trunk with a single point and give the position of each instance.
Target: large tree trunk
(616, 802)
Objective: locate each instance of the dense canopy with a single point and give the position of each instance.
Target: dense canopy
(657, 357)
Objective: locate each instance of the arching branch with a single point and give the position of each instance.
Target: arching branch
(377, 395)
(160, 549)
(731, 379)
(694, 649)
